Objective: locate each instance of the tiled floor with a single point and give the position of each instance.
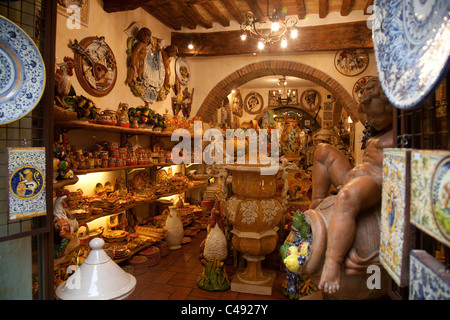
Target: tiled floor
(175, 278)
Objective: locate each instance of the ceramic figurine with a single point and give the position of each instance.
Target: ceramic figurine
(138, 55)
(357, 203)
(215, 249)
(65, 227)
(174, 226)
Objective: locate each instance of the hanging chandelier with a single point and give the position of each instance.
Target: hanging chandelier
(284, 97)
(278, 28)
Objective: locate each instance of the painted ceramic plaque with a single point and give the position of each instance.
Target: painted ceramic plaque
(351, 62)
(429, 184)
(428, 279)
(396, 233)
(26, 181)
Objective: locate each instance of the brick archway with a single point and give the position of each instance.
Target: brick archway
(276, 67)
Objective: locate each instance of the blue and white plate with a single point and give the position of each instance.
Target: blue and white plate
(440, 196)
(412, 47)
(22, 73)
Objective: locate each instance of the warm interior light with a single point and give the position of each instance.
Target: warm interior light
(294, 33)
(260, 45)
(349, 120)
(275, 26)
(190, 46)
(243, 37)
(284, 43)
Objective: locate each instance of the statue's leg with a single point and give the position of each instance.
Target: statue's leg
(358, 194)
(330, 166)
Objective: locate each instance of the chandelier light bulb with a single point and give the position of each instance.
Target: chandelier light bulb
(275, 26)
(294, 33)
(260, 45)
(284, 43)
(190, 46)
(243, 37)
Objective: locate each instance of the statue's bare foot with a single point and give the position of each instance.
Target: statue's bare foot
(331, 276)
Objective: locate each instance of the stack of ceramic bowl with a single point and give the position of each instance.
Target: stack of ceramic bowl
(139, 263)
(163, 248)
(153, 255)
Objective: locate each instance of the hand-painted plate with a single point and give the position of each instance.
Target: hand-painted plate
(412, 48)
(22, 73)
(440, 194)
(182, 70)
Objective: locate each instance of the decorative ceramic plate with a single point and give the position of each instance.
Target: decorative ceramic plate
(412, 48)
(351, 62)
(358, 86)
(310, 99)
(22, 73)
(182, 70)
(440, 194)
(253, 103)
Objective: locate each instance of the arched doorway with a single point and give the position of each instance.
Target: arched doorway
(276, 67)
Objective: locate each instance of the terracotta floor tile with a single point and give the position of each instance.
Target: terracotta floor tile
(175, 278)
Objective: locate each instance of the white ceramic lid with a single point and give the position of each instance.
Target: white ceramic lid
(98, 278)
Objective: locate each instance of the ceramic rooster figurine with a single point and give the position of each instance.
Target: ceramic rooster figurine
(214, 251)
(62, 80)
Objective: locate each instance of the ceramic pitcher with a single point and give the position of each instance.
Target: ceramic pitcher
(174, 226)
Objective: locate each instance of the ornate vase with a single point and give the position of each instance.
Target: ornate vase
(175, 231)
(254, 212)
(292, 139)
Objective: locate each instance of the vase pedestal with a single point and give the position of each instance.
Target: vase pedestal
(253, 279)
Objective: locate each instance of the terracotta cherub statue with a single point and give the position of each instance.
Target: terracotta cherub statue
(138, 55)
(359, 188)
(167, 54)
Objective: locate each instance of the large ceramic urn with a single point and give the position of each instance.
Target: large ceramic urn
(254, 212)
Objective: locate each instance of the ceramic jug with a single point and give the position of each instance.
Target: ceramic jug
(174, 226)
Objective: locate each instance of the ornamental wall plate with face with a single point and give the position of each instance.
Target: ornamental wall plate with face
(182, 70)
(95, 65)
(351, 62)
(253, 103)
(310, 99)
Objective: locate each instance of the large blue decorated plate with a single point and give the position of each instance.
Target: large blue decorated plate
(412, 47)
(22, 72)
(440, 196)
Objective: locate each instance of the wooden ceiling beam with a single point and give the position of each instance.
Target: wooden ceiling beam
(162, 16)
(301, 10)
(234, 10)
(323, 8)
(256, 9)
(215, 12)
(346, 7)
(181, 15)
(193, 13)
(119, 5)
(313, 38)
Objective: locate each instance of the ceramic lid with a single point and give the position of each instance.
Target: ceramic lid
(98, 278)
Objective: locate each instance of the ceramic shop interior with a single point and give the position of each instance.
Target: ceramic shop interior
(192, 150)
